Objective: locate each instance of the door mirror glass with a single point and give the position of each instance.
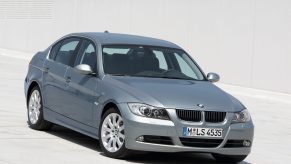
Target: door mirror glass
(213, 77)
(84, 69)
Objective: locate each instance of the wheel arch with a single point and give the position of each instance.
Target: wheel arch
(31, 86)
(107, 106)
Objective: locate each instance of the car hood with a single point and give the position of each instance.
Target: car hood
(176, 93)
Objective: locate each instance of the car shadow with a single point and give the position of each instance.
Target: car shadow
(74, 137)
(174, 158)
(140, 157)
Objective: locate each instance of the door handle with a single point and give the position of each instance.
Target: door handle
(46, 69)
(68, 79)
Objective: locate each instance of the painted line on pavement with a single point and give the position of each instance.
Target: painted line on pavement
(15, 56)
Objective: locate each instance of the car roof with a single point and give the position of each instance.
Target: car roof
(114, 38)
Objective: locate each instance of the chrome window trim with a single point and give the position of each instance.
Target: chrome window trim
(81, 37)
(66, 37)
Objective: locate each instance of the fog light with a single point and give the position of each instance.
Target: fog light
(246, 143)
(140, 139)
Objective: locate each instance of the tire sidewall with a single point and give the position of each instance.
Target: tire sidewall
(40, 117)
(122, 151)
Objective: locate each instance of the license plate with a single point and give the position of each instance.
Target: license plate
(202, 132)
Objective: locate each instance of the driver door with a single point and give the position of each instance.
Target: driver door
(82, 89)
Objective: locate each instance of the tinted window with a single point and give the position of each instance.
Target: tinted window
(54, 50)
(67, 51)
(149, 61)
(162, 61)
(111, 51)
(184, 66)
(88, 55)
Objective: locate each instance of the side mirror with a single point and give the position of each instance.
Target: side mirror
(84, 69)
(213, 77)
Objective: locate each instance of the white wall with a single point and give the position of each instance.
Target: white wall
(248, 42)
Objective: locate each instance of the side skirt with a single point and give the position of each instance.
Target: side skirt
(59, 119)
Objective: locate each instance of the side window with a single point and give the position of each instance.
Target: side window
(67, 51)
(184, 66)
(88, 55)
(162, 61)
(54, 50)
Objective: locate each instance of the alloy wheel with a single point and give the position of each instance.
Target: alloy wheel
(112, 132)
(34, 106)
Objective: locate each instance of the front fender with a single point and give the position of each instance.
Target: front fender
(109, 94)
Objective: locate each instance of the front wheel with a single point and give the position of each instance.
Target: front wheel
(111, 134)
(35, 111)
(229, 158)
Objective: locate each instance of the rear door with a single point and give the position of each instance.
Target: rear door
(82, 88)
(61, 57)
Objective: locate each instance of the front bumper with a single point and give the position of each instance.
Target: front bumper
(136, 126)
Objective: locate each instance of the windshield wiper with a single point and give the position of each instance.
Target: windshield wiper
(118, 74)
(164, 77)
(182, 78)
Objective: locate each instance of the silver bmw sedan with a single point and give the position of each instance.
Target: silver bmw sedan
(135, 93)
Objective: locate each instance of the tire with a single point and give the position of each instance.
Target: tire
(229, 158)
(111, 136)
(35, 111)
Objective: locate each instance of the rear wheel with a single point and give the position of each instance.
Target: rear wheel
(112, 136)
(229, 158)
(35, 111)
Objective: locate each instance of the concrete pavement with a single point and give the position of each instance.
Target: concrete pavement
(19, 144)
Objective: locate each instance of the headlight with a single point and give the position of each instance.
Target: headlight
(148, 111)
(242, 116)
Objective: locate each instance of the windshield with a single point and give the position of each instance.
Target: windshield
(149, 61)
